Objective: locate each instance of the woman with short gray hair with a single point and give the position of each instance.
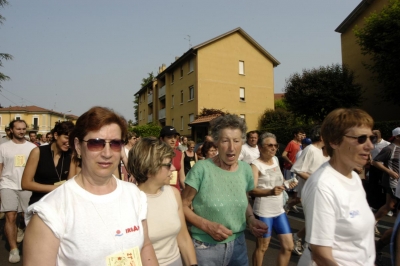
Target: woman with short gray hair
(215, 198)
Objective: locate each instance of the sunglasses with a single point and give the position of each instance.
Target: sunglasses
(276, 146)
(99, 144)
(363, 138)
(168, 165)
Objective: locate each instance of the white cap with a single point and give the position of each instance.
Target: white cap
(396, 131)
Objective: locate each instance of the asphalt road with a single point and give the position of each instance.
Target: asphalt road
(296, 221)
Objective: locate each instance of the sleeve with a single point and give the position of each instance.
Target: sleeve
(143, 206)
(289, 147)
(384, 155)
(320, 218)
(195, 176)
(303, 163)
(1, 153)
(249, 176)
(49, 215)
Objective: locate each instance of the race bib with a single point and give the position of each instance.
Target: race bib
(192, 163)
(130, 257)
(19, 161)
(174, 178)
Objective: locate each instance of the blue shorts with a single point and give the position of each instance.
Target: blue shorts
(279, 223)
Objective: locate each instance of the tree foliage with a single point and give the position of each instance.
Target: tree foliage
(314, 93)
(3, 56)
(380, 38)
(210, 111)
(149, 130)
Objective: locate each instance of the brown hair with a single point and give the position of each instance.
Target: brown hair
(339, 121)
(206, 147)
(146, 157)
(94, 119)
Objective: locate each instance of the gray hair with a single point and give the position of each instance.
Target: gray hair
(265, 136)
(227, 121)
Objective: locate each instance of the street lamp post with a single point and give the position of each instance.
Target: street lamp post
(66, 112)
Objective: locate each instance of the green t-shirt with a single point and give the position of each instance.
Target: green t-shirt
(221, 197)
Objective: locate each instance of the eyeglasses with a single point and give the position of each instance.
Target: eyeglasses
(276, 146)
(168, 165)
(99, 144)
(363, 138)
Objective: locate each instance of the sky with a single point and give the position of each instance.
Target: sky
(72, 55)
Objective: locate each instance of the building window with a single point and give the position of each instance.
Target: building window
(241, 67)
(172, 101)
(18, 117)
(181, 71)
(191, 118)
(172, 122)
(172, 78)
(140, 115)
(181, 122)
(241, 94)
(181, 97)
(35, 123)
(191, 93)
(191, 65)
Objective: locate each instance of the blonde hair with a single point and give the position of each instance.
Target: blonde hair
(146, 157)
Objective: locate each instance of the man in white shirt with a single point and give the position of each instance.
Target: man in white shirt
(13, 157)
(250, 150)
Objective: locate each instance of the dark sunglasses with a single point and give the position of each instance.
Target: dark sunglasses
(168, 165)
(272, 145)
(363, 138)
(99, 144)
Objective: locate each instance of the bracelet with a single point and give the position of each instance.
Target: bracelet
(250, 216)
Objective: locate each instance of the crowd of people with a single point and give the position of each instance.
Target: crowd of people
(92, 193)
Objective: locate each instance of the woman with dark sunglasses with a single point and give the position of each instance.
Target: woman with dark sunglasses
(150, 162)
(268, 204)
(339, 222)
(94, 218)
(48, 166)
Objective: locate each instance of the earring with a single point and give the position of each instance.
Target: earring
(79, 156)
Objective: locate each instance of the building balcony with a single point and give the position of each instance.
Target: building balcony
(150, 118)
(161, 92)
(149, 98)
(161, 114)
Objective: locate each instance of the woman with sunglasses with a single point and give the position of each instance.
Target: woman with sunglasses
(339, 222)
(190, 157)
(94, 218)
(150, 162)
(48, 166)
(268, 204)
(215, 198)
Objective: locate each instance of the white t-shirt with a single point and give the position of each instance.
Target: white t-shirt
(269, 177)
(309, 161)
(91, 227)
(248, 154)
(13, 157)
(378, 147)
(337, 215)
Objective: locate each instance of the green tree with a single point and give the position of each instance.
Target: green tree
(149, 130)
(314, 93)
(379, 38)
(3, 56)
(145, 81)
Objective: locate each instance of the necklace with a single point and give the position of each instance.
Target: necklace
(62, 165)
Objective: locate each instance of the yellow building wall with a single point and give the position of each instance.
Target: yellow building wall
(46, 121)
(219, 80)
(352, 57)
(180, 110)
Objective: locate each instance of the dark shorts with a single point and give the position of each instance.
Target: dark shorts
(390, 191)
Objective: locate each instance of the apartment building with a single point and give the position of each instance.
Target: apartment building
(355, 60)
(231, 72)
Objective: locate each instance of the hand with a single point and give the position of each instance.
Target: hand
(393, 174)
(257, 228)
(277, 190)
(217, 231)
(293, 184)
